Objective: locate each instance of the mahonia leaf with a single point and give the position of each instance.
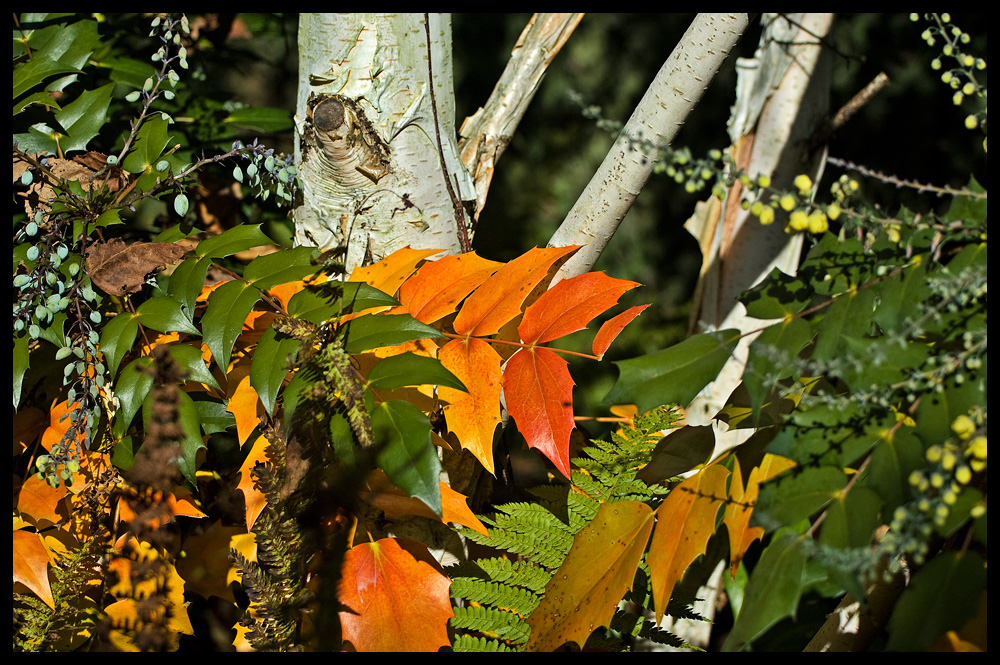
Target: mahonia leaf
(31, 564)
(473, 416)
(539, 393)
(395, 598)
(570, 305)
(117, 268)
(389, 274)
(610, 329)
(684, 523)
(439, 286)
(501, 296)
(599, 569)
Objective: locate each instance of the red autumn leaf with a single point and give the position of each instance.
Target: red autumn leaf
(539, 394)
(500, 297)
(609, 331)
(439, 286)
(31, 565)
(389, 274)
(396, 598)
(684, 523)
(570, 305)
(472, 416)
(600, 567)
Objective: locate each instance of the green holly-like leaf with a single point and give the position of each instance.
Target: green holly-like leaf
(166, 315)
(374, 330)
(402, 434)
(269, 366)
(409, 369)
(675, 375)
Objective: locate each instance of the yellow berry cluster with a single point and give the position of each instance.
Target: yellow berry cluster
(802, 214)
(962, 79)
(954, 463)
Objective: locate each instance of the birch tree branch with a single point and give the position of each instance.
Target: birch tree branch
(673, 94)
(486, 133)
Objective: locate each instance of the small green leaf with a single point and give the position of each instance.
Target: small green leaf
(675, 375)
(190, 359)
(402, 435)
(166, 315)
(287, 265)
(131, 389)
(311, 306)
(374, 330)
(228, 308)
(942, 596)
(237, 239)
(773, 590)
(269, 366)
(409, 369)
(797, 494)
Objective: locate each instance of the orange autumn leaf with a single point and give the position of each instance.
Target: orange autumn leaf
(39, 502)
(684, 523)
(29, 423)
(600, 567)
(501, 296)
(243, 402)
(473, 416)
(609, 331)
(739, 509)
(59, 422)
(31, 565)
(539, 393)
(389, 274)
(252, 497)
(570, 305)
(395, 503)
(439, 286)
(396, 598)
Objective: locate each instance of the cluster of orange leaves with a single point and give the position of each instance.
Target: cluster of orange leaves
(397, 593)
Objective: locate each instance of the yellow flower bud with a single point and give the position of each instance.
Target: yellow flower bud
(798, 221)
(787, 202)
(963, 426)
(818, 223)
(803, 183)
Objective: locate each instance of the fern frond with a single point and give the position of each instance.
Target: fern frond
(466, 643)
(492, 622)
(520, 573)
(504, 596)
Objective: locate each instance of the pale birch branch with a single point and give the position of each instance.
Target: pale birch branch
(673, 94)
(486, 133)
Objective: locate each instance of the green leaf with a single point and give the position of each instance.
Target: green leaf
(117, 337)
(36, 70)
(675, 375)
(777, 296)
(129, 71)
(771, 357)
(850, 315)
(84, 117)
(269, 366)
(287, 265)
(213, 416)
(190, 359)
(896, 456)
(314, 307)
(228, 308)
(261, 119)
(237, 239)
(679, 452)
(409, 369)
(131, 389)
(149, 146)
(797, 494)
(374, 330)
(402, 435)
(166, 315)
(772, 592)
(942, 596)
(21, 364)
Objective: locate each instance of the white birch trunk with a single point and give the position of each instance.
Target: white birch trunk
(369, 131)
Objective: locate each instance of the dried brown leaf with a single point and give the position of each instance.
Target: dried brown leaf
(117, 268)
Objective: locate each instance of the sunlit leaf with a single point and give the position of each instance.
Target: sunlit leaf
(31, 564)
(439, 286)
(389, 274)
(473, 416)
(612, 327)
(539, 393)
(395, 598)
(684, 523)
(600, 567)
(570, 305)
